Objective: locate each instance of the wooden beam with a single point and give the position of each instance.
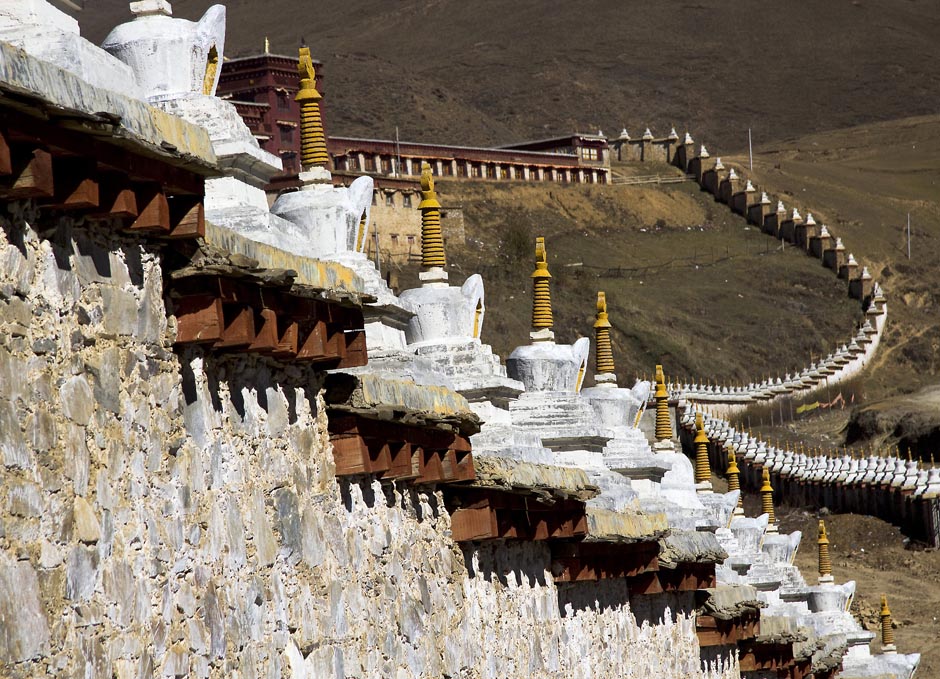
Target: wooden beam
(6, 159)
(31, 176)
(116, 198)
(266, 337)
(187, 217)
(76, 184)
(109, 156)
(239, 326)
(153, 210)
(199, 319)
(473, 523)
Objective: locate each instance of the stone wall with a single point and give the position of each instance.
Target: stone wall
(177, 514)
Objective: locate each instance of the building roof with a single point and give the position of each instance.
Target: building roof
(263, 55)
(475, 149)
(559, 139)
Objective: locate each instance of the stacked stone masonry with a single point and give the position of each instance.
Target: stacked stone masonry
(233, 451)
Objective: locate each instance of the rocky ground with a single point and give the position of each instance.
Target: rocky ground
(881, 561)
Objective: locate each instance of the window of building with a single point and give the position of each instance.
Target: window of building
(386, 166)
(406, 199)
(370, 164)
(589, 154)
(289, 160)
(411, 240)
(474, 170)
(394, 237)
(390, 199)
(283, 102)
(461, 169)
(448, 169)
(352, 163)
(287, 134)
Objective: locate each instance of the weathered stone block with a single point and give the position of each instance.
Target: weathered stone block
(25, 628)
(77, 400)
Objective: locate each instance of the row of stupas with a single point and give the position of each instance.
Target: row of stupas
(534, 409)
(770, 466)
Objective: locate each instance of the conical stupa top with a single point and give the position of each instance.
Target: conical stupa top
(432, 238)
(718, 164)
(749, 187)
(647, 134)
(688, 139)
(780, 206)
(702, 151)
(604, 350)
(312, 136)
(542, 300)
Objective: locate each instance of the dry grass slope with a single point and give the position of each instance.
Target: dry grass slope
(493, 72)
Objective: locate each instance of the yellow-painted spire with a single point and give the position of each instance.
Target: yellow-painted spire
(663, 431)
(267, 45)
(734, 475)
(703, 472)
(767, 497)
(312, 137)
(542, 296)
(432, 239)
(887, 628)
(825, 562)
(604, 357)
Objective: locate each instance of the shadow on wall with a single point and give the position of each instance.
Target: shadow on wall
(654, 609)
(233, 376)
(510, 564)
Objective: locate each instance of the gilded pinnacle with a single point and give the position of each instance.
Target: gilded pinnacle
(312, 137)
(542, 297)
(767, 497)
(703, 472)
(887, 627)
(734, 476)
(663, 430)
(432, 238)
(825, 562)
(604, 356)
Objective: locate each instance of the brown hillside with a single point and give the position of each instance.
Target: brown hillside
(688, 284)
(494, 72)
(863, 182)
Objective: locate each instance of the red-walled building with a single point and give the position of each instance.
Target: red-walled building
(263, 87)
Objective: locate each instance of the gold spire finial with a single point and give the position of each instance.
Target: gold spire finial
(734, 476)
(767, 497)
(267, 45)
(542, 297)
(825, 563)
(312, 138)
(432, 239)
(604, 356)
(887, 628)
(663, 430)
(703, 472)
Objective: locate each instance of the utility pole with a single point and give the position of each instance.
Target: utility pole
(378, 258)
(397, 153)
(908, 235)
(750, 150)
